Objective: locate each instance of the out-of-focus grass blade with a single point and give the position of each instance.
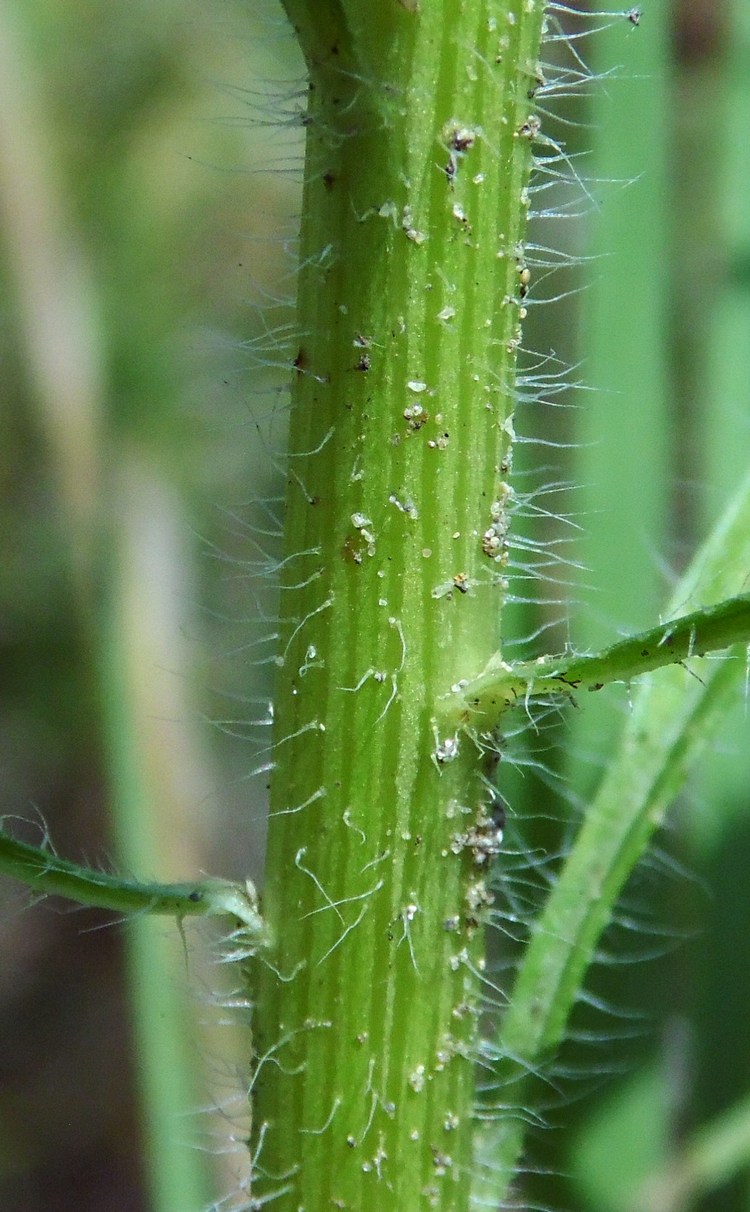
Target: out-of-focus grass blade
(724, 436)
(624, 460)
(671, 721)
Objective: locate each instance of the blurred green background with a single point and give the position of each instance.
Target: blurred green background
(148, 226)
(149, 182)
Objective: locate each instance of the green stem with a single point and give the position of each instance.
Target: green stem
(410, 299)
(481, 700)
(41, 870)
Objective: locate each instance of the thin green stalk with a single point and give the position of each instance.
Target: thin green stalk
(420, 128)
(43, 871)
(480, 701)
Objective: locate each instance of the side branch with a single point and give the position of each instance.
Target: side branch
(41, 870)
(483, 699)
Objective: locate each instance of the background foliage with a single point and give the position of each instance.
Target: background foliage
(144, 248)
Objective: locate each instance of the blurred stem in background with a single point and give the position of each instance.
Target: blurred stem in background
(59, 313)
(626, 447)
(158, 777)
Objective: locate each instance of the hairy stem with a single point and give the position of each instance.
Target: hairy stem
(40, 869)
(420, 126)
(481, 701)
